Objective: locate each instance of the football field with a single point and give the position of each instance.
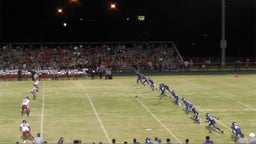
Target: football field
(99, 110)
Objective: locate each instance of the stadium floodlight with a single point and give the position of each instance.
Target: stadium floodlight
(73, 1)
(59, 10)
(112, 6)
(64, 24)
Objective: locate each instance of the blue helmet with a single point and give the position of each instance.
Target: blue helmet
(147, 140)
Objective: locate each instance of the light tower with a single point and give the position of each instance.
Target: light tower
(223, 42)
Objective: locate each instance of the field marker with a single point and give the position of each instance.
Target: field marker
(95, 112)
(152, 114)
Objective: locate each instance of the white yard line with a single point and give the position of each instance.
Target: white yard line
(95, 112)
(228, 127)
(148, 110)
(242, 104)
(228, 97)
(42, 111)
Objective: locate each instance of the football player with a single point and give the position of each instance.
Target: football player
(212, 123)
(187, 105)
(176, 97)
(33, 91)
(25, 129)
(195, 115)
(25, 106)
(167, 88)
(36, 85)
(140, 76)
(236, 131)
(162, 90)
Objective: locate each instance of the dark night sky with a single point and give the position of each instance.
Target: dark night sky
(194, 25)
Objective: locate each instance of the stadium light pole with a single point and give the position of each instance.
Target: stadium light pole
(223, 42)
(1, 19)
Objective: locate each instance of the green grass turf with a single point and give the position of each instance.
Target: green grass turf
(100, 110)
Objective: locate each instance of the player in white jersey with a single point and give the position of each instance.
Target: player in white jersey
(36, 76)
(36, 84)
(33, 92)
(25, 129)
(25, 106)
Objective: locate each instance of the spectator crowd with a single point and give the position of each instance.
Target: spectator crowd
(61, 60)
(81, 59)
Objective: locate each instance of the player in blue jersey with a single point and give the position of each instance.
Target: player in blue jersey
(145, 80)
(236, 131)
(212, 123)
(187, 105)
(148, 141)
(162, 90)
(152, 84)
(195, 115)
(208, 140)
(176, 97)
(167, 88)
(163, 87)
(139, 77)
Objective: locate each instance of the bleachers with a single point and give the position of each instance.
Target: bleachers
(55, 59)
(78, 56)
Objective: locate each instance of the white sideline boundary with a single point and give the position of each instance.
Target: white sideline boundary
(95, 112)
(151, 113)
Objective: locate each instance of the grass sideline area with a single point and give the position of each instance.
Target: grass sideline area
(98, 110)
